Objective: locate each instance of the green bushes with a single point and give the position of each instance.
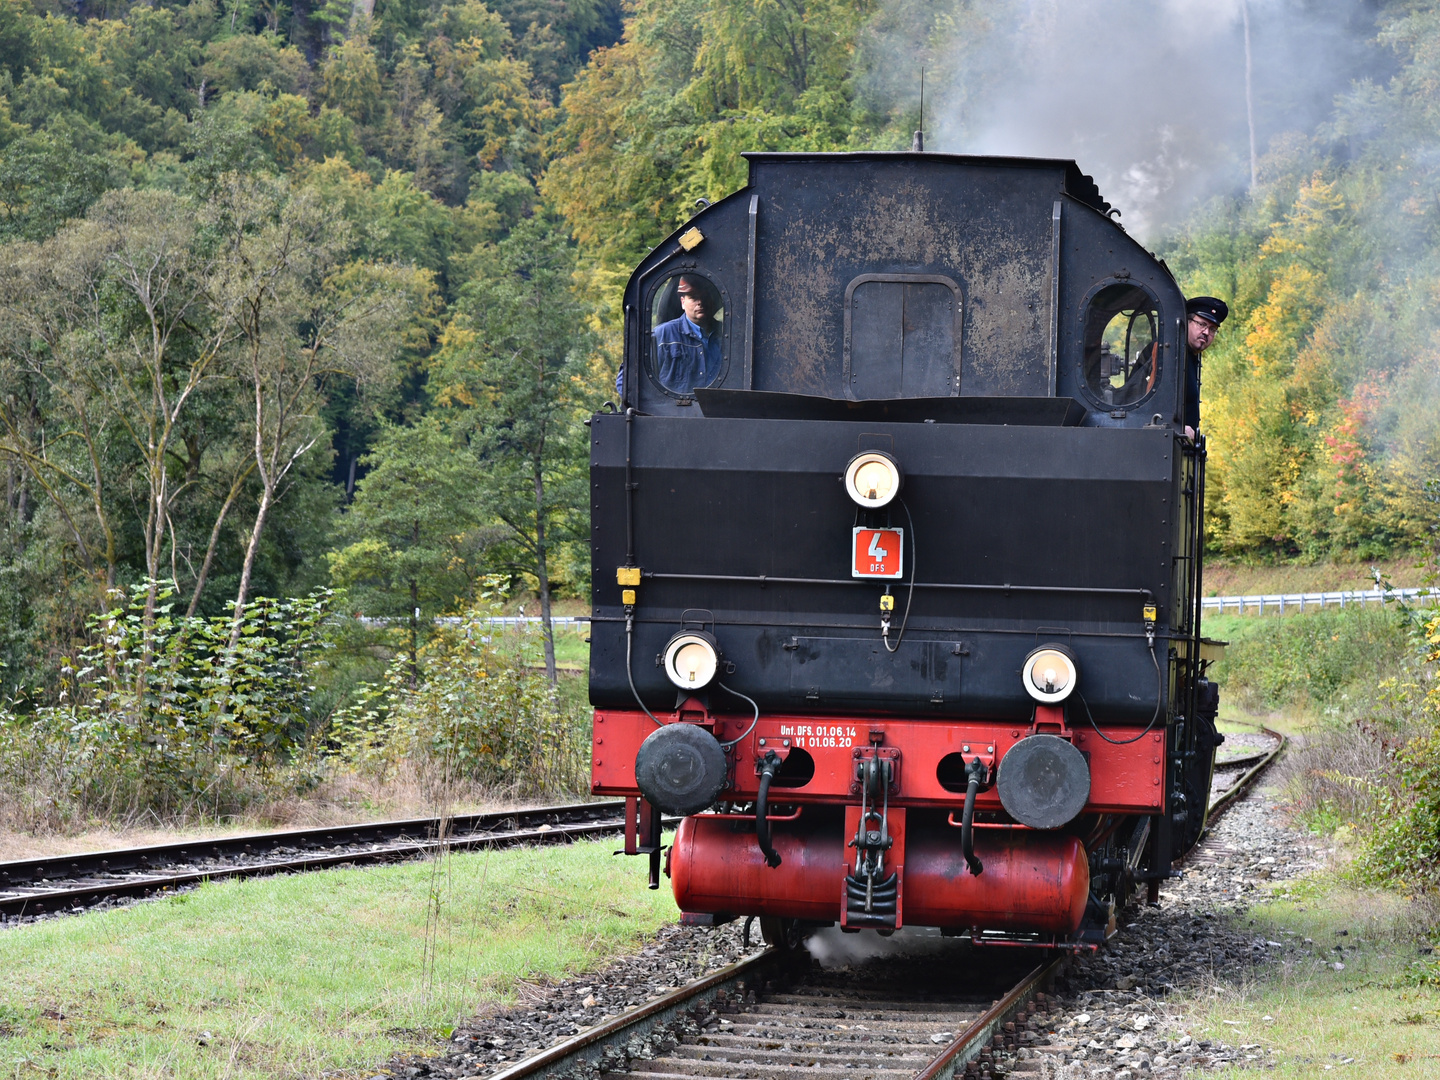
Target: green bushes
(160, 718)
(1404, 838)
(481, 712)
(1373, 761)
(1311, 659)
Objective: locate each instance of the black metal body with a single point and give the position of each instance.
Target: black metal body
(936, 308)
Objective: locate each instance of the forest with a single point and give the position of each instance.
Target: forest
(303, 306)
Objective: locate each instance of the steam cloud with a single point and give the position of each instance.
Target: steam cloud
(1148, 96)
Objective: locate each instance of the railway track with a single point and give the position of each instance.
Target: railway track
(930, 1016)
(1236, 774)
(48, 885)
(773, 1014)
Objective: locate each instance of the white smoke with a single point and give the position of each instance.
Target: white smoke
(833, 948)
(1148, 96)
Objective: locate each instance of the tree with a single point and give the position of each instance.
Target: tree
(306, 316)
(513, 373)
(414, 529)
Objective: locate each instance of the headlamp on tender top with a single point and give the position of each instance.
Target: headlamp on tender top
(692, 659)
(872, 479)
(1049, 674)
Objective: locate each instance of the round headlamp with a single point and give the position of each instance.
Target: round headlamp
(692, 659)
(1049, 674)
(872, 479)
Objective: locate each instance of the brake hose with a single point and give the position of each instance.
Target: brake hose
(768, 768)
(976, 772)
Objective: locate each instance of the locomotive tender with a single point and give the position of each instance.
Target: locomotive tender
(900, 608)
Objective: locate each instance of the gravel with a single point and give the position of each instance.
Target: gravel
(1112, 1016)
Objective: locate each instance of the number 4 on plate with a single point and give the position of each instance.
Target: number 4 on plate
(877, 553)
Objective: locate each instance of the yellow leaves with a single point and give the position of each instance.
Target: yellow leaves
(1281, 322)
(456, 336)
(285, 123)
(1309, 227)
(350, 78)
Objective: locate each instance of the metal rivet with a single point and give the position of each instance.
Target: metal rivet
(762, 742)
(965, 748)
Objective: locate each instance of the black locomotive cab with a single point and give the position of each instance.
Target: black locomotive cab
(892, 425)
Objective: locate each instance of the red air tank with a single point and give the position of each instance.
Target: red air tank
(1032, 881)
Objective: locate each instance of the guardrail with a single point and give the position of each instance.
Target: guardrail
(1280, 603)
(527, 620)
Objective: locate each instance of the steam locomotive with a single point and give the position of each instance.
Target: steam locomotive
(896, 592)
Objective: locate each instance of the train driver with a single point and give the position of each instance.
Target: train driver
(1206, 313)
(687, 349)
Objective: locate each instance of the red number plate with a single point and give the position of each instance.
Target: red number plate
(877, 553)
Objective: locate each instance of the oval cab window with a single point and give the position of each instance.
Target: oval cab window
(1121, 359)
(687, 334)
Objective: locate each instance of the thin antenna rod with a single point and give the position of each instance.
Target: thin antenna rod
(1249, 94)
(918, 144)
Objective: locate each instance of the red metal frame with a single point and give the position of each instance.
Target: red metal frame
(1126, 779)
(1034, 881)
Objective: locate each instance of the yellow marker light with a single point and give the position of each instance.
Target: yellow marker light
(1049, 674)
(1149, 612)
(872, 479)
(692, 659)
(887, 602)
(690, 239)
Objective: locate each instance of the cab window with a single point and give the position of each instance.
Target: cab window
(1121, 361)
(687, 334)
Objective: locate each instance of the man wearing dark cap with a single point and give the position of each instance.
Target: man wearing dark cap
(687, 349)
(1206, 313)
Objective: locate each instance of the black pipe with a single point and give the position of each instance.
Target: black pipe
(768, 767)
(629, 491)
(763, 580)
(976, 772)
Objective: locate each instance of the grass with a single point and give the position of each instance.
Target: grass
(331, 971)
(1235, 579)
(572, 646)
(1382, 1011)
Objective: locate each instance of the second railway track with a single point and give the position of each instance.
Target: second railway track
(59, 883)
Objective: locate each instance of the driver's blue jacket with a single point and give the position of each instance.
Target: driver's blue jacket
(685, 356)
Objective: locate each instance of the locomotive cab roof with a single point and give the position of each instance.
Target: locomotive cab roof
(908, 286)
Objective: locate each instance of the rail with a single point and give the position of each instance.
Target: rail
(746, 980)
(1258, 764)
(68, 882)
